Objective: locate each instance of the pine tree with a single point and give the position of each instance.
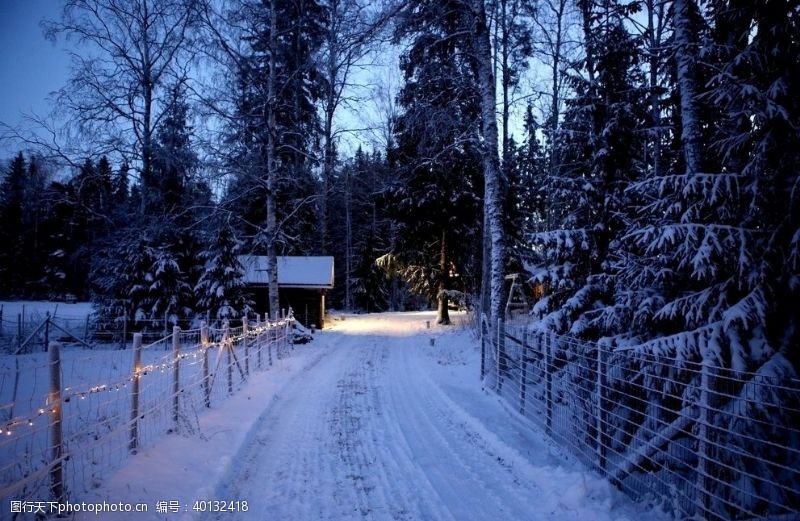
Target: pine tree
(436, 199)
(12, 199)
(586, 198)
(221, 289)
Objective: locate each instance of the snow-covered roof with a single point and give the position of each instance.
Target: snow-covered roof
(293, 272)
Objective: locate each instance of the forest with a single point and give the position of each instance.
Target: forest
(638, 161)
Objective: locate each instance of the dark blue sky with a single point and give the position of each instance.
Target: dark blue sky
(30, 66)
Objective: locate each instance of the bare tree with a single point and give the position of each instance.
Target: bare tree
(353, 29)
(134, 53)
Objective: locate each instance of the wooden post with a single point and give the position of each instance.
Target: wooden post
(204, 348)
(166, 315)
(524, 371)
(246, 340)
(176, 380)
(47, 331)
(259, 339)
(548, 379)
(269, 338)
(137, 374)
(54, 405)
(290, 328)
(602, 416)
(124, 330)
(228, 354)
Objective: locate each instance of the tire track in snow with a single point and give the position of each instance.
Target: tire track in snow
(366, 433)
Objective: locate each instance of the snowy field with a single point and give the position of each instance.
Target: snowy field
(36, 310)
(369, 421)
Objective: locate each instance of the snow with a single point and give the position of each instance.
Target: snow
(297, 272)
(37, 309)
(370, 421)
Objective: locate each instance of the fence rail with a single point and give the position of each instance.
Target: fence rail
(69, 416)
(705, 441)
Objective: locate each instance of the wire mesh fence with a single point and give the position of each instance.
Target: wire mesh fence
(704, 441)
(69, 415)
(32, 331)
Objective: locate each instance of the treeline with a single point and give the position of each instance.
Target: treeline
(648, 163)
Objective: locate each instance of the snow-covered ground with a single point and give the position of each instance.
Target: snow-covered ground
(36, 310)
(370, 421)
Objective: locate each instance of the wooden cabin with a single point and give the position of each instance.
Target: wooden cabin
(302, 285)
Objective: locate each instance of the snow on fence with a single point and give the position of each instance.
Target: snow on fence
(69, 415)
(707, 442)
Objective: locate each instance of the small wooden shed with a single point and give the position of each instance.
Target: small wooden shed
(302, 285)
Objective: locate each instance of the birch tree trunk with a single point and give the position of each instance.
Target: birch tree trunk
(492, 191)
(274, 301)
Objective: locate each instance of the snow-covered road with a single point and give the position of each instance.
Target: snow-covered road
(385, 426)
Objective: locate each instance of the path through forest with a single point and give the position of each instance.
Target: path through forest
(385, 426)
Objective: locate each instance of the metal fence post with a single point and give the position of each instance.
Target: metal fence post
(176, 381)
(483, 347)
(54, 404)
(703, 422)
(137, 374)
(246, 340)
(602, 417)
(206, 375)
(548, 379)
(499, 351)
(523, 371)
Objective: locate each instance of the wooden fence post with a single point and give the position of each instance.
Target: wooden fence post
(548, 379)
(47, 331)
(523, 372)
(269, 340)
(226, 342)
(602, 416)
(124, 331)
(54, 405)
(176, 380)
(206, 376)
(259, 339)
(137, 374)
(246, 340)
(290, 328)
